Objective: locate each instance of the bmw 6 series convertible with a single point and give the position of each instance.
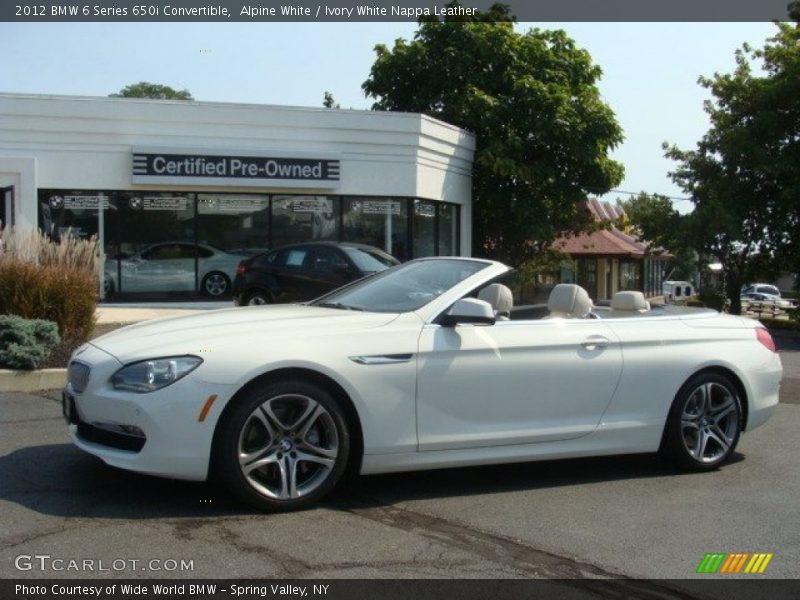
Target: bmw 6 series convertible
(425, 365)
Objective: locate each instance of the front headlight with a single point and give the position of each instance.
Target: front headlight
(150, 375)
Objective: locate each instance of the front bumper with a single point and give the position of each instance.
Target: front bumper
(175, 442)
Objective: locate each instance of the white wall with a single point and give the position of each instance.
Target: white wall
(85, 143)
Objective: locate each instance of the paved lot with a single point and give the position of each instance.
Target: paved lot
(630, 515)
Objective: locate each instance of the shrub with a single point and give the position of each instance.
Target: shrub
(42, 279)
(712, 298)
(26, 343)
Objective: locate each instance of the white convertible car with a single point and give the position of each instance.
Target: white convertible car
(425, 365)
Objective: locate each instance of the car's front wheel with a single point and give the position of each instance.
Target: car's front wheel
(284, 446)
(704, 423)
(216, 284)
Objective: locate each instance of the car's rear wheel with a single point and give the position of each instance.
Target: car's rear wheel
(704, 423)
(216, 284)
(284, 446)
(257, 298)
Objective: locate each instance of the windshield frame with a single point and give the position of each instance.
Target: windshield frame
(485, 272)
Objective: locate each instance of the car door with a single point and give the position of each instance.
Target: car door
(328, 269)
(514, 382)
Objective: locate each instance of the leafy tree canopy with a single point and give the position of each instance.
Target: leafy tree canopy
(543, 133)
(654, 220)
(744, 174)
(328, 101)
(145, 89)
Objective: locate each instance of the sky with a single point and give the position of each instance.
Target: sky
(650, 70)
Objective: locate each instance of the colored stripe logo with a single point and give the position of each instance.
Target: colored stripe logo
(734, 563)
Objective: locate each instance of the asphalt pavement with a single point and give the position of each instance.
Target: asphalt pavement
(599, 517)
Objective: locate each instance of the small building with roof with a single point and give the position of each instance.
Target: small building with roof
(612, 258)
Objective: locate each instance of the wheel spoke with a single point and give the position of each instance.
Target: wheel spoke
(702, 442)
(722, 411)
(325, 460)
(284, 493)
(279, 426)
(719, 436)
(255, 460)
(318, 451)
(308, 418)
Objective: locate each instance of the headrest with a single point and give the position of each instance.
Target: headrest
(570, 301)
(499, 296)
(630, 301)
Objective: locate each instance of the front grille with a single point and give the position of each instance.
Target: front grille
(78, 376)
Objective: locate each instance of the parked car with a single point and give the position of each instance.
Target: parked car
(765, 299)
(425, 365)
(169, 267)
(301, 272)
(761, 288)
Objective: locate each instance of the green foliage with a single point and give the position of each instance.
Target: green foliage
(145, 89)
(773, 324)
(25, 343)
(654, 219)
(744, 174)
(711, 298)
(543, 132)
(328, 101)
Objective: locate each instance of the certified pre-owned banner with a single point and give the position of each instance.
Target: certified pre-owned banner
(180, 168)
(390, 10)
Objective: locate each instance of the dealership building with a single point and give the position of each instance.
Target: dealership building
(190, 182)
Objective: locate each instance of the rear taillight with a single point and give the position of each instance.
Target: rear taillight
(765, 338)
(241, 269)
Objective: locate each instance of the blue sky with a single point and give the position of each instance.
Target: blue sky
(650, 69)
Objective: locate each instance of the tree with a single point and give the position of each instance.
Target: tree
(145, 89)
(543, 133)
(653, 218)
(328, 101)
(744, 174)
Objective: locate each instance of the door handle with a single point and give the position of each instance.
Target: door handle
(595, 342)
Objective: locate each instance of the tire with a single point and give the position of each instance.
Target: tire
(215, 284)
(701, 435)
(257, 298)
(283, 446)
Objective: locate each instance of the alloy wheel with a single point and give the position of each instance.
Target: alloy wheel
(288, 447)
(710, 422)
(216, 284)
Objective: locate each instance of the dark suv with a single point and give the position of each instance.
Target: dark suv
(301, 272)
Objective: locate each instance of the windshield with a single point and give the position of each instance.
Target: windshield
(369, 262)
(403, 288)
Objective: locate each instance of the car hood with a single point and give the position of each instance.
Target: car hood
(232, 326)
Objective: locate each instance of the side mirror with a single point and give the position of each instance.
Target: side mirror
(469, 310)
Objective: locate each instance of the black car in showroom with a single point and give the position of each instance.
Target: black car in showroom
(301, 272)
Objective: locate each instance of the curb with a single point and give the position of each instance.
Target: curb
(32, 381)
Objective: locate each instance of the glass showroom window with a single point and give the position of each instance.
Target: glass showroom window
(65, 213)
(154, 234)
(303, 218)
(379, 222)
(448, 230)
(424, 228)
(234, 223)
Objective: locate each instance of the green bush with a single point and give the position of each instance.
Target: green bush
(26, 343)
(712, 298)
